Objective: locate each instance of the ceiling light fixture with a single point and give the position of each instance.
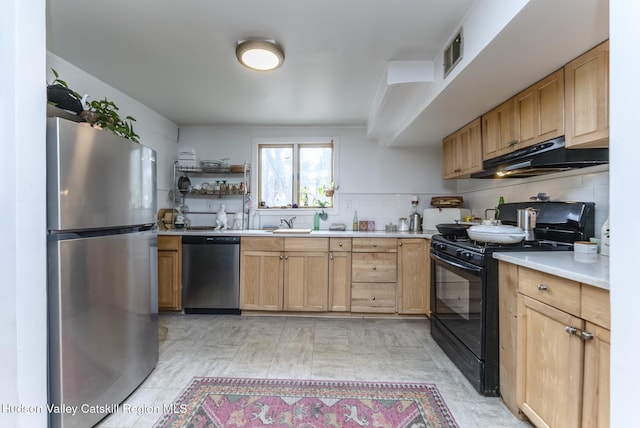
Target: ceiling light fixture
(262, 55)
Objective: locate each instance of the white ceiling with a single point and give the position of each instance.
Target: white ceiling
(178, 57)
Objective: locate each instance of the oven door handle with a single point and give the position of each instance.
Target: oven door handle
(469, 268)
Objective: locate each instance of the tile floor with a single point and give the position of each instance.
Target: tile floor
(389, 350)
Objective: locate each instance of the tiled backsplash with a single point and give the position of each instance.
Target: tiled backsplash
(589, 185)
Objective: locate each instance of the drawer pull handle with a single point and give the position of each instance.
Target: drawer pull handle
(585, 335)
(374, 268)
(571, 330)
(542, 287)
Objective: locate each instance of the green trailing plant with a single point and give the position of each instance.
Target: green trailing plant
(104, 114)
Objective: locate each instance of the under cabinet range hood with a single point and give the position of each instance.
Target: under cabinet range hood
(543, 158)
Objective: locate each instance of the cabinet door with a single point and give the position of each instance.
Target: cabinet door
(549, 365)
(339, 281)
(170, 273)
(498, 130)
(306, 281)
(462, 151)
(261, 276)
(540, 111)
(450, 153)
(587, 99)
(470, 147)
(595, 399)
(169, 280)
(413, 269)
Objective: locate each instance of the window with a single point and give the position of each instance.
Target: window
(295, 173)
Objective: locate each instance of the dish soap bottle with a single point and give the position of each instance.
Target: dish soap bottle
(316, 221)
(604, 239)
(355, 221)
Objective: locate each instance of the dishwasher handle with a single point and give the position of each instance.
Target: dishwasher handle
(210, 240)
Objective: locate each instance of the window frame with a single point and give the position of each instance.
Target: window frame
(296, 143)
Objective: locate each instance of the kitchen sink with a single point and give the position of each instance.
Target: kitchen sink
(292, 230)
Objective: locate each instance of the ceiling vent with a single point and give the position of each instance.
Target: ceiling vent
(453, 53)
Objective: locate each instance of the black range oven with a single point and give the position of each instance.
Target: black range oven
(464, 285)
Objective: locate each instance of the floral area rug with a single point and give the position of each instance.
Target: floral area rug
(231, 402)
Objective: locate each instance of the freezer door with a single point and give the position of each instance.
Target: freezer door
(96, 179)
(103, 322)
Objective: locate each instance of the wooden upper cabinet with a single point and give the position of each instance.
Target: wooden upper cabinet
(587, 99)
(499, 130)
(533, 116)
(462, 151)
(539, 111)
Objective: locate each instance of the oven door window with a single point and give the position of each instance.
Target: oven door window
(458, 300)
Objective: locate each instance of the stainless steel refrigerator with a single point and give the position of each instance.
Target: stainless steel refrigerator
(102, 270)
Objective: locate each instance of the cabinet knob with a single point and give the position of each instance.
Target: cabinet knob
(374, 268)
(331, 257)
(375, 245)
(512, 143)
(570, 330)
(340, 244)
(373, 297)
(585, 335)
(542, 287)
(286, 257)
(399, 244)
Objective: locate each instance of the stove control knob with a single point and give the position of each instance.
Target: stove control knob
(441, 247)
(468, 256)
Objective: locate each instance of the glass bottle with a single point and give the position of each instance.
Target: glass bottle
(355, 221)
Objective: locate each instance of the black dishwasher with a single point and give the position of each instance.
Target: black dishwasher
(211, 274)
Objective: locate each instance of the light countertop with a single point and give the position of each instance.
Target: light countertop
(566, 264)
(427, 234)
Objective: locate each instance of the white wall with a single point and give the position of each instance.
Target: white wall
(155, 130)
(625, 204)
(22, 246)
(377, 181)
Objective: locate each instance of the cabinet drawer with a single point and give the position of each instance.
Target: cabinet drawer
(373, 297)
(169, 242)
(306, 244)
(261, 244)
(380, 245)
(558, 292)
(595, 306)
(339, 244)
(373, 267)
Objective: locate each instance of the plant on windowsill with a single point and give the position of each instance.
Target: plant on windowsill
(329, 190)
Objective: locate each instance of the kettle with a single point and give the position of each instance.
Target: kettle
(416, 223)
(527, 222)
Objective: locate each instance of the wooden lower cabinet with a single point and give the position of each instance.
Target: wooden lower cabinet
(595, 398)
(374, 275)
(289, 274)
(170, 273)
(562, 341)
(550, 365)
(373, 297)
(413, 276)
(339, 275)
(261, 273)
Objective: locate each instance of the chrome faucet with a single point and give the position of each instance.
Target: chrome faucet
(289, 222)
